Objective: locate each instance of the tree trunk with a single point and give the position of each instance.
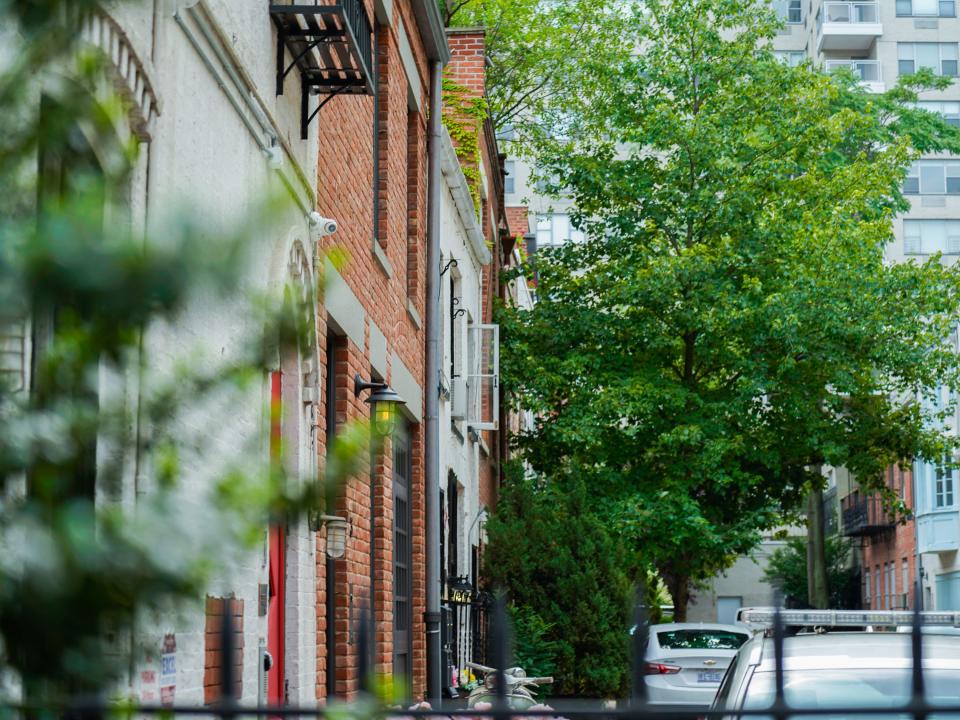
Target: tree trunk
(678, 585)
(817, 592)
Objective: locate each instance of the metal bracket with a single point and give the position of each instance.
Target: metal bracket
(306, 119)
(452, 262)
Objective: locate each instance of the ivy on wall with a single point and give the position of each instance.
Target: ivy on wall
(464, 115)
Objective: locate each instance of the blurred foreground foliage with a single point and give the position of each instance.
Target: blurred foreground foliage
(123, 490)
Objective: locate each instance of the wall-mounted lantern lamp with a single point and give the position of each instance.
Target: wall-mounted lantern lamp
(383, 402)
(336, 534)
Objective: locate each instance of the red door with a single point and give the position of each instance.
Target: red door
(278, 560)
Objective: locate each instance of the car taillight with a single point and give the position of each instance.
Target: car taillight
(660, 669)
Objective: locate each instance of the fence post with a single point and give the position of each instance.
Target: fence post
(641, 629)
(917, 692)
(779, 703)
(501, 655)
(228, 698)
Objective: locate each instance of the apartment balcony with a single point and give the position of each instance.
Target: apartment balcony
(864, 516)
(867, 70)
(848, 25)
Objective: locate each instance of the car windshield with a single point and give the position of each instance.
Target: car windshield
(701, 639)
(852, 688)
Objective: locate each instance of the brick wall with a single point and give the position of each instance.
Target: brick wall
(390, 296)
(213, 661)
(893, 546)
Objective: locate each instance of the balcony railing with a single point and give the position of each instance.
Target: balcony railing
(848, 25)
(865, 516)
(851, 12)
(866, 70)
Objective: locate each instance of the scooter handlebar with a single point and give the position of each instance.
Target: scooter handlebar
(481, 668)
(538, 681)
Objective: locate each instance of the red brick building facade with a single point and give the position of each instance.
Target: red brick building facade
(888, 547)
(373, 177)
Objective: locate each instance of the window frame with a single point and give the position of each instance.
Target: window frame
(913, 236)
(903, 47)
(944, 487)
(939, 14)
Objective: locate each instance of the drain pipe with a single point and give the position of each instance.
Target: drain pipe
(432, 387)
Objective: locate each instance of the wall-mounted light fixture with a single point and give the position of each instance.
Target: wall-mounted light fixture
(383, 402)
(336, 534)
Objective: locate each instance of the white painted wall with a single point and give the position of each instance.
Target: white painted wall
(212, 66)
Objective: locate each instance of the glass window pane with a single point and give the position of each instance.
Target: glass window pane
(949, 68)
(911, 186)
(701, 639)
(905, 67)
(948, 51)
(933, 236)
(905, 51)
(931, 179)
(925, 7)
(948, 8)
(561, 227)
(904, 7)
(928, 55)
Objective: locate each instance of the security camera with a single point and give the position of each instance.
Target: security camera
(320, 226)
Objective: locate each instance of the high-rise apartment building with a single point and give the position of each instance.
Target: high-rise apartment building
(881, 41)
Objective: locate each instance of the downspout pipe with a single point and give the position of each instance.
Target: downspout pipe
(432, 387)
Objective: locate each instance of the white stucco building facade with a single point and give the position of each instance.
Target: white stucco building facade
(214, 141)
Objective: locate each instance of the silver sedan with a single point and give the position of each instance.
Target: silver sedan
(685, 662)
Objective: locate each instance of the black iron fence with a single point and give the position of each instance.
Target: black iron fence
(917, 706)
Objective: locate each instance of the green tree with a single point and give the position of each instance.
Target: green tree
(730, 323)
(566, 577)
(787, 570)
(541, 52)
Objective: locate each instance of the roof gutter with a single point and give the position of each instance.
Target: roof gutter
(432, 32)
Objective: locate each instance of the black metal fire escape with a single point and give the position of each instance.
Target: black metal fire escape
(331, 46)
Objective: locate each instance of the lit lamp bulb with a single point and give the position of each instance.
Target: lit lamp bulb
(383, 414)
(336, 535)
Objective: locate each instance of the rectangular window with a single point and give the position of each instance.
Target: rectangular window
(905, 580)
(941, 58)
(556, 229)
(928, 237)
(879, 575)
(867, 598)
(791, 58)
(944, 485)
(949, 110)
(911, 184)
(795, 12)
(930, 8)
(483, 376)
(891, 590)
(790, 11)
(509, 179)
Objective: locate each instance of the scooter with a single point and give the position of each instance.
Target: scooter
(518, 686)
